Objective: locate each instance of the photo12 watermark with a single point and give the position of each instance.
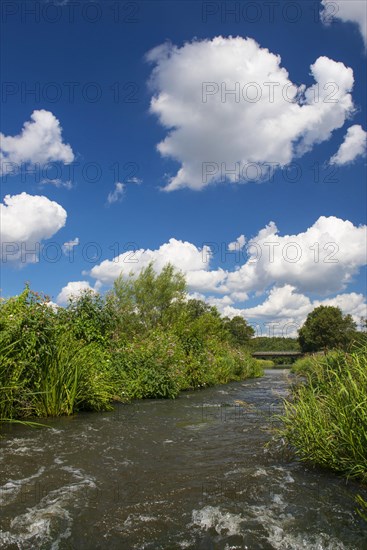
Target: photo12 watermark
(267, 11)
(251, 172)
(69, 92)
(72, 12)
(269, 92)
(270, 251)
(65, 174)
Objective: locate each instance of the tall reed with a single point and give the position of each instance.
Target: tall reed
(326, 419)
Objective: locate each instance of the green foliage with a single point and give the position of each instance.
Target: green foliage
(305, 364)
(75, 376)
(50, 363)
(90, 317)
(362, 510)
(196, 308)
(326, 328)
(326, 420)
(146, 301)
(151, 367)
(144, 339)
(265, 363)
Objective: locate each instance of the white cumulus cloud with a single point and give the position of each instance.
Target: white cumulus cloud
(40, 141)
(290, 308)
(27, 220)
(353, 146)
(183, 255)
(322, 259)
(352, 11)
(227, 103)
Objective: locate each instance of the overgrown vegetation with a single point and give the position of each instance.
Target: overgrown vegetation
(144, 339)
(325, 418)
(325, 421)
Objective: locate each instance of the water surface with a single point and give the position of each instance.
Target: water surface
(186, 474)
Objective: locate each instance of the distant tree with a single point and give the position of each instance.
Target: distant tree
(325, 328)
(274, 343)
(239, 330)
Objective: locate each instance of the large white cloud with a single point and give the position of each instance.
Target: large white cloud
(354, 11)
(238, 244)
(40, 141)
(266, 120)
(27, 220)
(72, 289)
(281, 303)
(183, 255)
(323, 259)
(353, 146)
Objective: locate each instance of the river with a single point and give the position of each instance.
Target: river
(192, 473)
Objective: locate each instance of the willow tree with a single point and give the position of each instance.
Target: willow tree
(149, 299)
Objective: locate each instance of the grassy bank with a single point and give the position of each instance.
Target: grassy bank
(142, 340)
(325, 421)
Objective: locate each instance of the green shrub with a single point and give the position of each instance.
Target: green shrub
(45, 370)
(151, 367)
(265, 363)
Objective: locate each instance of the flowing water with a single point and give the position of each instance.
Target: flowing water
(186, 474)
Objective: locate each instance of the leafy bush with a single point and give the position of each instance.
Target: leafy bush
(75, 376)
(151, 367)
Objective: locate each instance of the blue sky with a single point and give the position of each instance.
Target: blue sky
(118, 149)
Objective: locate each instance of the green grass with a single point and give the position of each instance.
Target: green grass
(305, 364)
(325, 422)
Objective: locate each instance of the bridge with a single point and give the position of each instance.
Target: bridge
(268, 354)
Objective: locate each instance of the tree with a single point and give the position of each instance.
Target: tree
(148, 300)
(239, 330)
(325, 328)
